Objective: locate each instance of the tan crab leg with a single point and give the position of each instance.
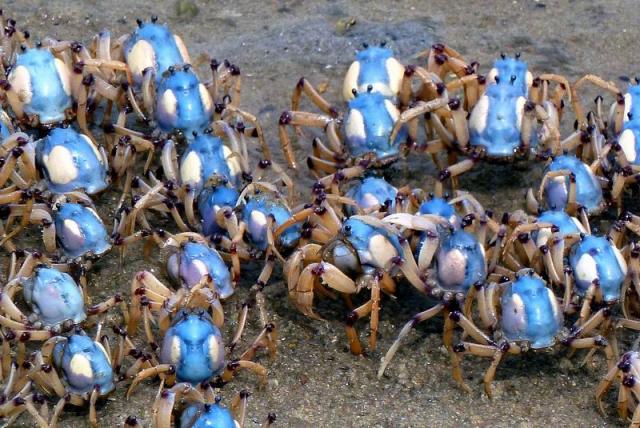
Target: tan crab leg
(298, 118)
(417, 319)
(304, 87)
(159, 370)
(234, 366)
(604, 386)
(598, 81)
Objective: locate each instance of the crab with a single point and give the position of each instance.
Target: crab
(501, 125)
(521, 315)
(626, 371)
(191, 407)
(461, 266)
(77, 369)
(192, 351)
(57, 81)
(375, 87)
(55, 300)
(69, 220)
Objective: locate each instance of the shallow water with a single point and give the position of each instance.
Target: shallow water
(315, 381)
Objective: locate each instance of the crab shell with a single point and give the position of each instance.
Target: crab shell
(440, 207)
(629, 137)
(374, 67)
(84, 364)
(54, 297)
(530, 312)
(40, 86)
(255, 213)
(183, 103)
(373, 191)
(588, 189)
(369, 122)
(210, 200)
(596, 258)
(460, 261)
(374, 246)
(200, 415)
(70, 161)
(153, 45)
(80, 231)
(206, 157)
(195, 260)
(194, 345)
(566, 225)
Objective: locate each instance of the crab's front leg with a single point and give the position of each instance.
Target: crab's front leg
(607, 86)
(305, 87)
(295, 119)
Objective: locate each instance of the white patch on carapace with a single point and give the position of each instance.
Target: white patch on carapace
(257, 224)
(205, 97)
(395, 71)
(233, 161)
(529, 78)
(351, 81)
(557, 314)
(621, 261)
(20, 80)
(214, 349)
(452, 267)
(200, 267)
(104, 351)
(392, 110)
(520, 102)
(73, 228)
(518, 305)
(578, 225)
(95, 214)
(355, 125)
(586, 269)
(141, 56)
(491, 77)
(168, 105)
(174, 351)
(369, 200)
(479, 115)
(81, 366)
(191, 168)
(93, 147)
(543, 236)
(381, 250)
(628, 103)
(60, 165)
(63, 73)
(627, 141)
(184, 53)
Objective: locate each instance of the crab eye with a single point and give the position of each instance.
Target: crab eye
(351, 81)
(140, 57)
(355, 125)
(60, 165)
(81, 366)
